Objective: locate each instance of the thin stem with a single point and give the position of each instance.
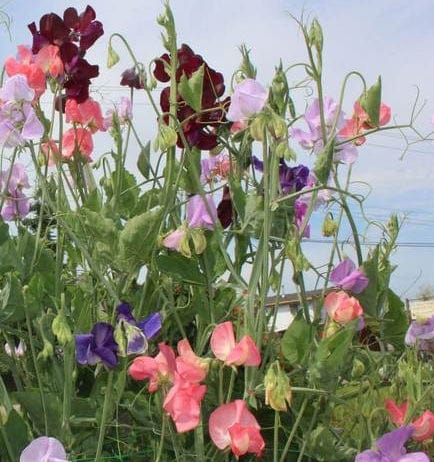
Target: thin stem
(294, 429)
(105, 412)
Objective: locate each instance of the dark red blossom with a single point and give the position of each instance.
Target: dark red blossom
(131, 78)
(225, 211)
(199, 127)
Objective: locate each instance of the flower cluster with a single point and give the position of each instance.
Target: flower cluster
(65, 42)
(195, 123)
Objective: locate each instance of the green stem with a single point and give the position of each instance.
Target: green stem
(293, 430)
(276, 436)
(105, 413)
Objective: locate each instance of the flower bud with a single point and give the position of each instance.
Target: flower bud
(112, 57)
(316, 35)
(278, 392)
(199, 240)
(61, 329)
(329, 226)
(166, 138)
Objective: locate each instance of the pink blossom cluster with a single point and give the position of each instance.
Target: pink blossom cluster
(180, 378)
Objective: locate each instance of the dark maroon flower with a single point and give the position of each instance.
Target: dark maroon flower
(84, 26)
(225, 210)
(131, 78)
(159, 71)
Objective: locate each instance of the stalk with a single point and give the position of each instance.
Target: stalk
(105, 413)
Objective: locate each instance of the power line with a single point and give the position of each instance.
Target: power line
(421, 245)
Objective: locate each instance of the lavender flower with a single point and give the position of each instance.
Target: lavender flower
(201, 212)
(18, 120)
(44, 449)
(16, 203)
(98, 346)
(390, 448)
(421, 332)
(346, 276)
(136, 333)
(123, 112)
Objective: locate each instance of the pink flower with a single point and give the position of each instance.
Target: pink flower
(157, 370)
(183, 403)
(88, 113)
(201, 212)
(51, 152)
(44, 449)
(234, 425)
(342, 308)
(49, 61)
(423, 426)
(173, 240)
(188, 365)
(24, 65)
(77, 141)
(224, 347)
(248, 99)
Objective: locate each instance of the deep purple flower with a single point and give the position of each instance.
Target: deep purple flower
(390, 448)
(44, 449)
(346, 276)
(225, 209)
(300, 210)
(137, 333)
(131, 78)
(201, 212)
(98, 346)
(422, 333)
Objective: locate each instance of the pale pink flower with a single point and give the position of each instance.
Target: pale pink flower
(342, 308)
(173, 240)
(248, 99)
(44, 449)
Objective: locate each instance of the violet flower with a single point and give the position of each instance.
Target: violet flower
(136, 333)
(98, 346)
(300, 210)
(201, 212)
(390, 448)
(16, 204)
(18, 120)
(422, 333)
(346, 276)
(44, 449)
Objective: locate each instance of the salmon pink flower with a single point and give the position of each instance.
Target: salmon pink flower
(88, 113)
(346, 276)
(188, 365)
(44, 449)
(77, 141)
(182, 403)
(160, 369)
(396, 413)
(49, 61)
(248, 99)
(233, 425)
(224, 347)
(342, 308)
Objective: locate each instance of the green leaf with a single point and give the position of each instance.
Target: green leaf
(324, 161)
(369, 297)
(16, 432)
(214, 262)
(180, 268)
(191, 173)
(371, 102)
(11, 300)
(137, 240)
(297, 340)
(395, 321)
(9, 258)
(191, 89)
(144, 160)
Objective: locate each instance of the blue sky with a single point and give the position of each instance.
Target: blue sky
(393, 38)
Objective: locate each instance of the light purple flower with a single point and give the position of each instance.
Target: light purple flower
(18, 120)
(390, 448)
(201, 212)
(98, 346)
(214, 168)
(248, 99)
(346, 153)
(44, 449)
(421, 332)
(137, 333)
(173, 240)
(16, 204)
(346, 276)
(123, 110)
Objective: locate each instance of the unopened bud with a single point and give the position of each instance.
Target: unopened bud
(329, 226)
(278, 393)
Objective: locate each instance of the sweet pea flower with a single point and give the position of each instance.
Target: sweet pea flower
(18, 120)
(233, 425)
(346, 276)
(342, 308)
(17, 204)
(390, 448)
(174, 239)
(88, 114)
(137, 333)
(97, 347)
(224, 347)
(214, 168)
(201, 212)
(182, 403)
(77, 140)
(421, 332)
(248, 99)
(44, 449)
(423, 426)
(123, 111)
(19, 350)
(189, 366)
(49, 61)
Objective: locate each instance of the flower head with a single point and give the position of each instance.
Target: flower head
(97, 347)
(346, 276)
(342, 308)
(422, 333)
(201, 212)
(390, 448)
(12, 182)
(233, 425)
(248, 99)
(44, 449)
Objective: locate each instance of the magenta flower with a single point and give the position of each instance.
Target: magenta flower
(201, 212)
(97, 347)
(390, 448)
(18, 120)
(248, 99)
(44, 449)
(422, 333)
(346, 276)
